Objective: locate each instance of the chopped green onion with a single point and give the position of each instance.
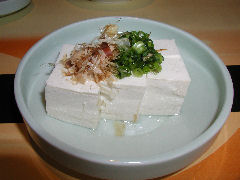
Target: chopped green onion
(146, 69)
(137, 72)
(139, 57)
(159, 57)
(139, 47)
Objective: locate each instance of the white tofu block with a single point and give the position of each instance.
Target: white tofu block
(74, 103)
(125, 99)
(122, 100)
(168, 46)
(165, 91)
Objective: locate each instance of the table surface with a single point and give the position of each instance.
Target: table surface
(216, 23)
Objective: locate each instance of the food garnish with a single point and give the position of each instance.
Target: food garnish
(113, 55)
(139, 57)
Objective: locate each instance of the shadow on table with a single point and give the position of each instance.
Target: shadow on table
(18, 166)
(23, 129)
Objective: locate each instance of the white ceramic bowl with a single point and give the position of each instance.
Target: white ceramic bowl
(10, 6)
(155, 146)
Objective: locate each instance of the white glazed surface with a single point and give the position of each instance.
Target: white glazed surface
(10, 6)
(153, 147)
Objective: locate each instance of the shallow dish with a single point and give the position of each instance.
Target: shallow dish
(154, 146)
(11, 6)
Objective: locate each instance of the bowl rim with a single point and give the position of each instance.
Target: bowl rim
(196, 143)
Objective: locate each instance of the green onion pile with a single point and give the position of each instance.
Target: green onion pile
(139, 57)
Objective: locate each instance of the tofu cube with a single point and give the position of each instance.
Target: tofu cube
(166, 90)
(168, 48)
(122, 100)
(152, 94)
(73, 103)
